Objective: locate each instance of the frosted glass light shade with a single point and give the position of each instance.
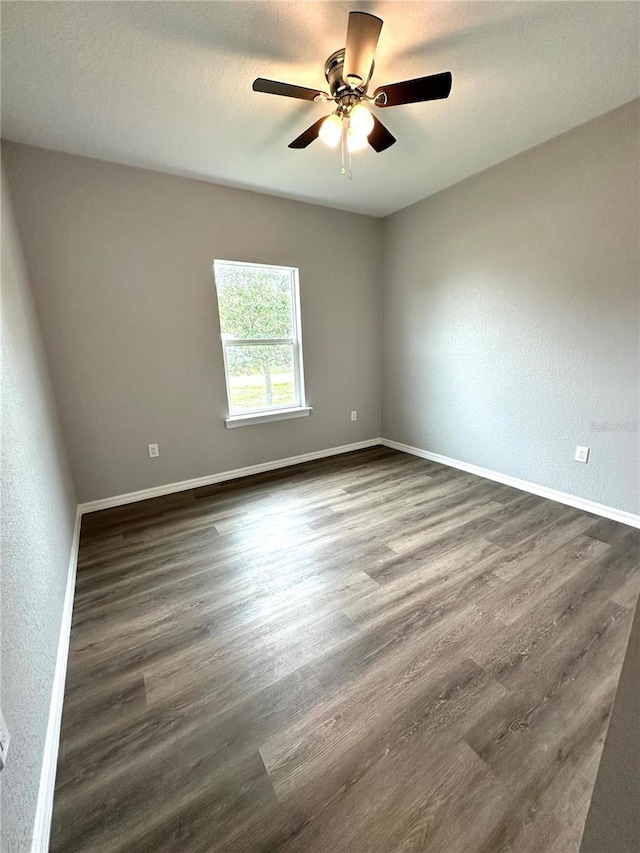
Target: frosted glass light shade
(331, 130)
(356, 141)
(361, 120)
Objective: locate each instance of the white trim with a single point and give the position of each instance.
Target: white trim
(183, 485)
(44, 808)
(234, 421)
(252, 264)
(611, 512)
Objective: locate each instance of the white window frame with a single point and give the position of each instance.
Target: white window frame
(247, 417)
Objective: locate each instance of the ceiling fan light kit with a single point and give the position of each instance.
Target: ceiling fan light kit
(348, 72)
(331, 130)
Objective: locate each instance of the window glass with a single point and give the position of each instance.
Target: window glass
(260, 329)
(254, 302)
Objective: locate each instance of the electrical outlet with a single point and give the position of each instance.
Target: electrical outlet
(4, 741)
(354, 416)
(582, 454)
(153, 451)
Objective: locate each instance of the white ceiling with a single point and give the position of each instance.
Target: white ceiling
(167, 86)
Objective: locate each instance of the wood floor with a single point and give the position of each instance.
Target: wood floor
(369, 653)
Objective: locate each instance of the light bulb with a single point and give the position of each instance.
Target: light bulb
(356, 141)
(331, 130)
(361, 120)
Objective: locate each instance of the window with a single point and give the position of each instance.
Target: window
(259, 310)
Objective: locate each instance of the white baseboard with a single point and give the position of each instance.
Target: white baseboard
(620, 515)
(183, 485)
(525, 485)
(44, 808)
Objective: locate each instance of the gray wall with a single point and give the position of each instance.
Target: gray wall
(510, 306)
(510, 311)
(38, 513)
(121, 267)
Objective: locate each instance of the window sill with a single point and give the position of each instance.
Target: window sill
(234, 421)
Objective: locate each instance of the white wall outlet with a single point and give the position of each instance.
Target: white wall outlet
(582, 454)
(354, 416)
(4, 742)
(153, 451)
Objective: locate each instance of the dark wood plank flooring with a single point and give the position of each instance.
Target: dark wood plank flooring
(367, 653)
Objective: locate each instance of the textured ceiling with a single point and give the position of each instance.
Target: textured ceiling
(167, 86)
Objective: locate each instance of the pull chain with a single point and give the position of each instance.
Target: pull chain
(346, 152)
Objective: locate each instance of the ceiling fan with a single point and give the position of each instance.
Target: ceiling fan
(348, 72)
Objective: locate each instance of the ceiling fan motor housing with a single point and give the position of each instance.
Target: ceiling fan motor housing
(333, 69)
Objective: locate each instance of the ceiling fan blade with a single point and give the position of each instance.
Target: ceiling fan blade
(380, 138)
(430, 88)
(308, 136)
(273, 87)
(363, 32)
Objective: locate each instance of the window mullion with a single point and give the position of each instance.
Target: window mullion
(253, 342)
